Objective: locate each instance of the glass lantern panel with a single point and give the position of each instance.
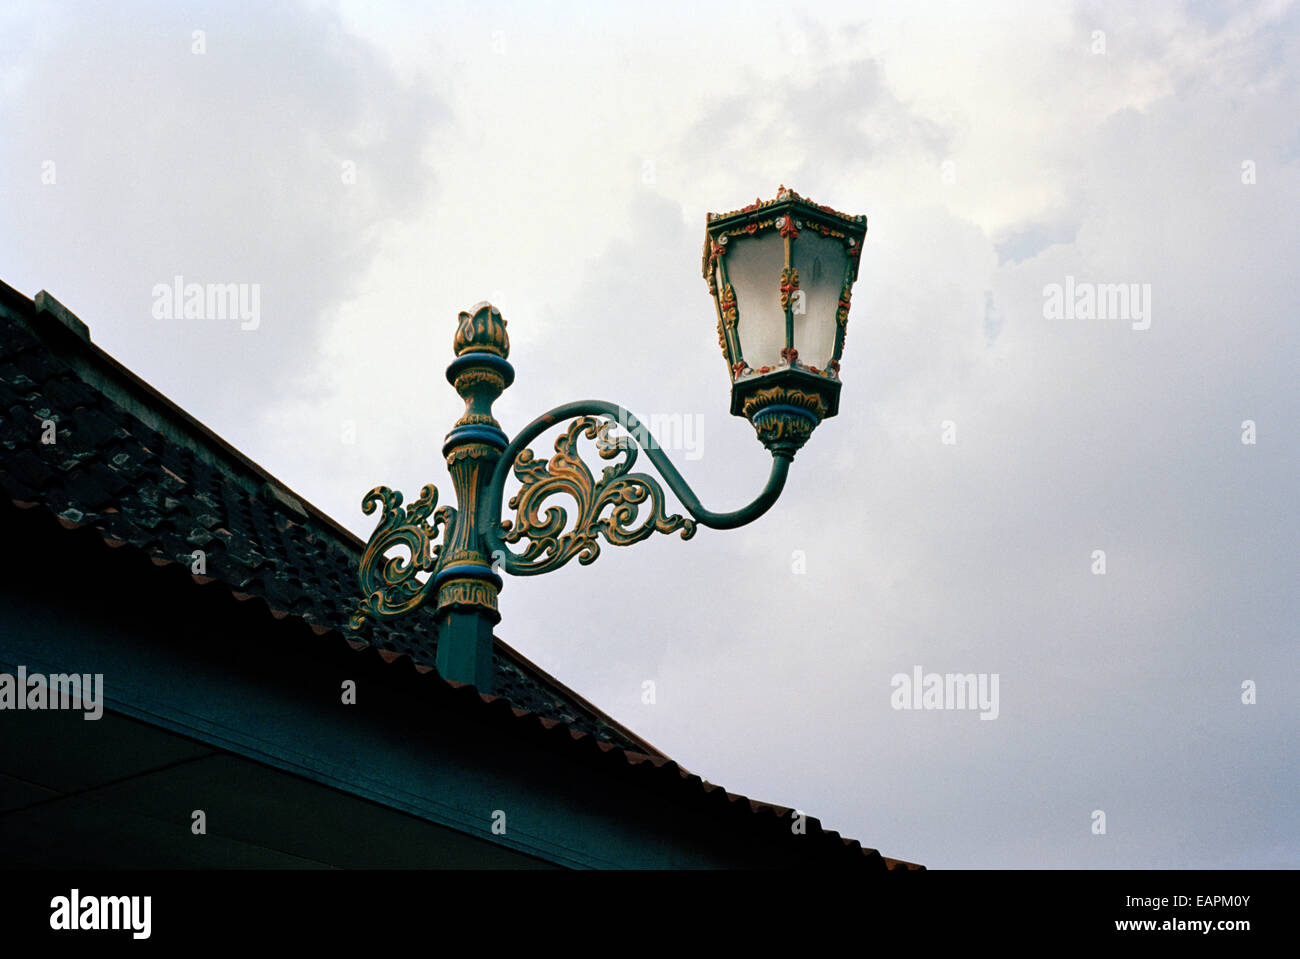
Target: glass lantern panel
(754, 270)
(821, 262)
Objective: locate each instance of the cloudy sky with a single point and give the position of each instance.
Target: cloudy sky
(376, 168)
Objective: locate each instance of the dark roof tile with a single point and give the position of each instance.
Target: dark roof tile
(29, 469)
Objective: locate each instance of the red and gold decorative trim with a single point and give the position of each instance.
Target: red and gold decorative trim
(789, 283)
(727, 304)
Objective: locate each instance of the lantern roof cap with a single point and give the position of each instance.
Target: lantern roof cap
(764, 214)
(785, 196)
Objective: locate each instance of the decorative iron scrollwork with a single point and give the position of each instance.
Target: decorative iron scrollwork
(618, 491)
(389, 584)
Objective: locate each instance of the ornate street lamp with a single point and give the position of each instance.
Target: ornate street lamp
(781, 273)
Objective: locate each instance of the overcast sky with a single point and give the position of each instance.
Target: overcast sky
(376, 168)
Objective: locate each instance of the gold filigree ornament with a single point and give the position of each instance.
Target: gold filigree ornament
(618, 491)
(389, 584)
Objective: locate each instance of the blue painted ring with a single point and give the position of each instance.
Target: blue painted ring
(467, 571)
(475, 434)
(480, 358)
(799, 411)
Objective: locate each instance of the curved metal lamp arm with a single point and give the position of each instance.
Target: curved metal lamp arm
(620, 491)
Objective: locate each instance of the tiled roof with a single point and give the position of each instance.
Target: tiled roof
(141, 472)
(171, 487)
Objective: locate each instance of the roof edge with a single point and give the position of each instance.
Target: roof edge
(521, 660)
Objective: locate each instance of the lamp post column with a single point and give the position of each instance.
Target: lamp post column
(467, 586)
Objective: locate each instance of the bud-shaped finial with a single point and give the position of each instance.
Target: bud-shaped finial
(483, 329)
